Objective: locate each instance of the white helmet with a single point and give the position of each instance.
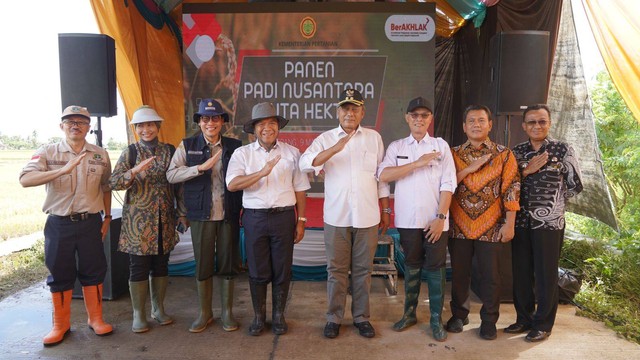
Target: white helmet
(145, 113)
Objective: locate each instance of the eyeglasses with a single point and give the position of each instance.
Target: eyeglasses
(541, 123)
(416, 116)
(206, 119)
(73, 123)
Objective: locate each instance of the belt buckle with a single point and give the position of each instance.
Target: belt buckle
(78, 216)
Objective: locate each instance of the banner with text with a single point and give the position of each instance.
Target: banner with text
(300, 56)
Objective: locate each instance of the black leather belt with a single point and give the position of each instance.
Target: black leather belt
(75, 216)
(273, 210)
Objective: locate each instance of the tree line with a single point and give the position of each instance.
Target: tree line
(32, 142)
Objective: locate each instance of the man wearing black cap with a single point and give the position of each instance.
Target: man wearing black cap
(76, 177)
(349, 156)
(425, 176)
(274, 191)
(213, 211)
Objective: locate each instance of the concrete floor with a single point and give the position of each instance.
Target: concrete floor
(26, 317)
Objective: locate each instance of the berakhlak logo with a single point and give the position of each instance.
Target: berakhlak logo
(308, 27)
(410, 28)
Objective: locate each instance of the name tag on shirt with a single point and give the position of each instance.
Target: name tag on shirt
(402, 157)
(194, 152)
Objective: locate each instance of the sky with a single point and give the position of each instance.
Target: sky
(31, 73)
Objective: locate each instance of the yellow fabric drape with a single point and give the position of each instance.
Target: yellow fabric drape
(616, 28)
(148, 64)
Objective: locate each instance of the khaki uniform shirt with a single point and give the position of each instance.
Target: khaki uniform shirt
(80, 191)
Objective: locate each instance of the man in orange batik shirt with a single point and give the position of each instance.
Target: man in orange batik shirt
(483, 212)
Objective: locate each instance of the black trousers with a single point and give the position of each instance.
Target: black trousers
(268, 238)
(536, 254)
(462, 252)
(419, 253)
(63, 239)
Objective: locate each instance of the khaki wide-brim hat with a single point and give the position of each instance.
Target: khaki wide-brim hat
(263, 111)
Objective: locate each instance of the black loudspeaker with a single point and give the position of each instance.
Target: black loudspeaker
(88, 72)
(519, 62)
(116, 282)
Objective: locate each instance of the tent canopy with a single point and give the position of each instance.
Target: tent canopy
(149, 66)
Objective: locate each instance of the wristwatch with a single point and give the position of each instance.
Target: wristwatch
(387, 210)
(300, 218)
(441, 216)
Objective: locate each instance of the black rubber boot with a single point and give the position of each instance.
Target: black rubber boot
(279, 299)
(259, 299)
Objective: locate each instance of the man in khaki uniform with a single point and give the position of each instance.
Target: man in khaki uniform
(76, 178)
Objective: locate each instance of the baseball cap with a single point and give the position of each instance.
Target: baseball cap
(75, 110)
(210, 107)
(419, 102)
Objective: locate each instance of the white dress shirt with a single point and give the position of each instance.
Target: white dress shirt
(417, 195)
(276, 189)
(351, 189)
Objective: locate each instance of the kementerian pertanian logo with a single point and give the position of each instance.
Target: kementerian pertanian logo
(308, 27)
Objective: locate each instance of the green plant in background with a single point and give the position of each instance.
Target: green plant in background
(609, 261)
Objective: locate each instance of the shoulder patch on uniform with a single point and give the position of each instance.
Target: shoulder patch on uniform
(35, 158)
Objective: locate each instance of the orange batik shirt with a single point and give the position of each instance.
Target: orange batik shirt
(482, 198)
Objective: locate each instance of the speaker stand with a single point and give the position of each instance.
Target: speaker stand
(506, 129)
(98, 132)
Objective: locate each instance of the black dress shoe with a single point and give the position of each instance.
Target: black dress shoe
(488, 330)
(331, 330)
(537, 335)
(455, 325)
(517, 328)
(365, 329)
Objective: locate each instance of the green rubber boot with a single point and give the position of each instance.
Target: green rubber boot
(205, 317)
(158, 290)
(411, 292)
(226, 302)
(138, 290)
(435, 284)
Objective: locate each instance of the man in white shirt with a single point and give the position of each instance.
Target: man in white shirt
(274, 190)
(425, 176)
(349, 156)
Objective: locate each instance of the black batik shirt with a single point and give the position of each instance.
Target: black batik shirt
(544, 194)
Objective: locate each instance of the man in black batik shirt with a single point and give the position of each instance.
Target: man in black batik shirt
(549, 177)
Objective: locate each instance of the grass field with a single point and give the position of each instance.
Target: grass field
(21, 208)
